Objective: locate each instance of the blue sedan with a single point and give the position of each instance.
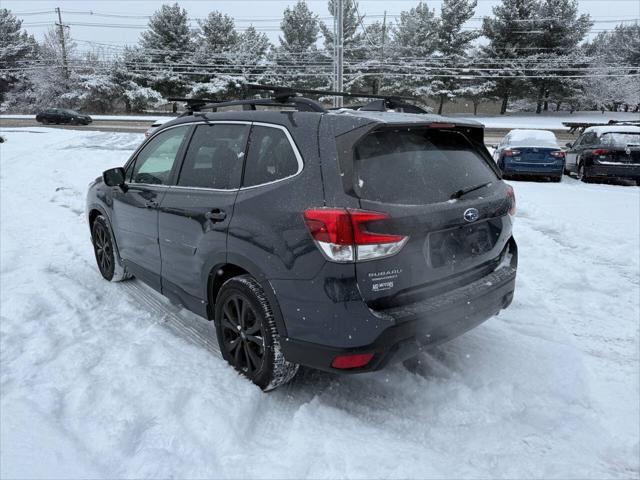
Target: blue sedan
(530, 153)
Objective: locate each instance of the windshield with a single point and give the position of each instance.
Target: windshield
(621, 138)
(417, 166)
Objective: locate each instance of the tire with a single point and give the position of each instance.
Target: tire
(109, 262)
(582, 175)
(247, 334)
(557, 179)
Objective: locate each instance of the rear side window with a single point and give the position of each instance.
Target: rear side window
(271, 156)
(214, 157)
(417, 166)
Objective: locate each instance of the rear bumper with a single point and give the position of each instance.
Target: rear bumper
(614, 171)
(421, 324)
(532, 170)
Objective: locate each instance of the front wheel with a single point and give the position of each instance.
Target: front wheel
(107, 258)
(247, 333)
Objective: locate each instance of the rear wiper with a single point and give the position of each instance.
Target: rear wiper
(462, 192)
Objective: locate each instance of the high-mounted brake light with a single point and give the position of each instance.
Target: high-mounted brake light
(345, 362)
(342, 234)
(442, 125)
(510, 152)
(511, 195)
(600, 151)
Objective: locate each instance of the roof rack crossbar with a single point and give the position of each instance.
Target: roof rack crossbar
(286, 92)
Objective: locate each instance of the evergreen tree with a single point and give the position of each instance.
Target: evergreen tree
(168, 38)
(351, 24)
(453, 42)
(559, 29)
(251, 51)
(17, 50)
(296, 61)
(217, 33)
(511, 40)
(416, 34)
(300, 28)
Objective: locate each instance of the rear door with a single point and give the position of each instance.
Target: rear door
(417, 177)
(195, 212)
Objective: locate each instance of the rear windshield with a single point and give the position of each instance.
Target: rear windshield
(417, 166)
(621, 138)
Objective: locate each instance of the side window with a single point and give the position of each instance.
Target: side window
(155, 161)
(588, 139)
(215, 156)
(271, 156)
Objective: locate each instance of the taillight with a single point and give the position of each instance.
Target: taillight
(345, 362)
(511, 195)
(510, 152)
(600, 151)
(558, 154)
(342, 235)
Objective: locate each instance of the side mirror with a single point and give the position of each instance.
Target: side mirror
(114, 177)
(569, 145)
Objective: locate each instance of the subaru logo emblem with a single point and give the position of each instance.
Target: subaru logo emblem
(471, 215)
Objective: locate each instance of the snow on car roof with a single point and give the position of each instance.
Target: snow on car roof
(399, 117)
(602, 129)
(532, 138)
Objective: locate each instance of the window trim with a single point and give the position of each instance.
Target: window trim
(180, 160)
(293, 145)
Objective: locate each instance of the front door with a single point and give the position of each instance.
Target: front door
(135, 208)
(195, 213)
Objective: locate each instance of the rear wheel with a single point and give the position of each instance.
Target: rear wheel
(583, 173)
(247, 333)
(108, 261)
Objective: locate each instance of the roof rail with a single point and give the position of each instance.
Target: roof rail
(292, 97)
(385, 102)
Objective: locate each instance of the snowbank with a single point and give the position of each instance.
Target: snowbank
(108, 380)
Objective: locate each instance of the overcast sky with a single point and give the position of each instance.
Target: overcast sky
(127, 18)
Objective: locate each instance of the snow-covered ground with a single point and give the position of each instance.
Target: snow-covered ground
(109, 380)
(133, 118)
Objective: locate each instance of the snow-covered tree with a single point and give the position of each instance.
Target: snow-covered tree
(250, 51)
(511, 40)
(453, 42)
(300, 28)
(168, 38)
(18, 50)
(217, 33)
(416, 34)
(559, 29)
(351, 29)
(296, 61)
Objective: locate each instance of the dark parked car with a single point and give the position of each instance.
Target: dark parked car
(343, 241)
(605, 152)
(63, 115)
(530, 153)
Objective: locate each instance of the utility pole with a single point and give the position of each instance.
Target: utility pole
(339, 46)
(65, 64)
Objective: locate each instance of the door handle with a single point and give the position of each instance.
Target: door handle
(151, 204)
(215, 215)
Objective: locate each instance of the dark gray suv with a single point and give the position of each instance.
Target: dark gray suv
(340, 240)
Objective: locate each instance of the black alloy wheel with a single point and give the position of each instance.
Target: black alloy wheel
(242, 334)
(247, 333)
(103, 249)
